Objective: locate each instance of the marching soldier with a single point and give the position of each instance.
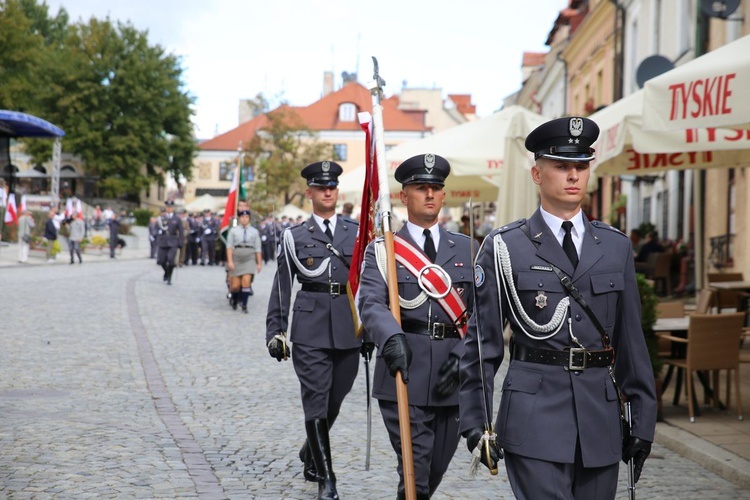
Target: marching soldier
(153, 233)
(244, 259)
(566, 286)
(170, 238)
(209, 230)
(193, 240)
(326, 349)
(434, 276)
(182, 259)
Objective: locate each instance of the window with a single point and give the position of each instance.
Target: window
(339, 152)
(347, 112)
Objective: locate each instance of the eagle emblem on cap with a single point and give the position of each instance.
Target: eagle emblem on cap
(429, 162)
(326, 166)
(575, 127)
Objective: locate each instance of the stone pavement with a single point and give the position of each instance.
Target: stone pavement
(114, 385)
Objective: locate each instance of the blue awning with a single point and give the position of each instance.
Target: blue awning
(17, 124)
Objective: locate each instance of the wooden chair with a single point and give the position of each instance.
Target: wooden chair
(668, 309)
(713, 344)
(725, 299)
(704, 302)
(661, 272)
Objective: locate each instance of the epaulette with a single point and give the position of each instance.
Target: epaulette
(508, 227)
(602, 225)
(453, 233)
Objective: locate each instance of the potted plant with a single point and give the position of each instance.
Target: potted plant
(648, 318)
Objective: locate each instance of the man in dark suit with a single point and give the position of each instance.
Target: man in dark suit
(326, 349)
(170, 237)
(431, 326)
(559, 421)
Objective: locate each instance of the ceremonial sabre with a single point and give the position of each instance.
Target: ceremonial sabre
(369, 410)
(402, 394)
(489, 431)
(282, 336)
(631, 466)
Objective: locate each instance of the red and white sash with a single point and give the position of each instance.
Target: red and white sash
(415, 261)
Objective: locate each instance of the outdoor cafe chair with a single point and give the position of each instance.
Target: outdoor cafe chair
(712, 344)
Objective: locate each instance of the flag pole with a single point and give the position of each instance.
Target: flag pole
(402, 395)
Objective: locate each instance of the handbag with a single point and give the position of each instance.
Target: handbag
(26, 238)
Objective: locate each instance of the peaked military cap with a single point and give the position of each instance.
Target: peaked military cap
(243, 212)
(564, 139)
(169, 203)
(423, 169)
(322, 173)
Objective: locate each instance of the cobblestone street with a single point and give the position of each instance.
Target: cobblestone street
(114, 385)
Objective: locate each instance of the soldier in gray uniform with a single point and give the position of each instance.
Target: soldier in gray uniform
(559, 421)
(430, 331)
(209, 233)
(326, 349)
(244, 259)
(170, 237)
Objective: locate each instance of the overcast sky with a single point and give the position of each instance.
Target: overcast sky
(235, 49)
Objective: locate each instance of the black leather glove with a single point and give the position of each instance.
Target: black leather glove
(397, 356)
(366, 349)
(278, 348)
(448, 381)
(496, 453)
(638, 449)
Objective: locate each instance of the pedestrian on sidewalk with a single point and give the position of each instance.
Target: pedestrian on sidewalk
(50, 233)
(77, 232)
(25, 225)
(114, 233)
(326, 349)
(566, 286)
(244, 259)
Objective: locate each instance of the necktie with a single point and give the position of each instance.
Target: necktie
(244, 235)
(328, 229)
(429, 245)
(568, 246)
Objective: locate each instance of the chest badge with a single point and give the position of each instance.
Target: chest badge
(310, 261)
(541, 300)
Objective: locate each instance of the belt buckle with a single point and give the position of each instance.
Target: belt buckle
(334, 286)
(438, 327)
(571, 364)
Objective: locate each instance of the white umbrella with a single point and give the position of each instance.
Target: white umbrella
(712, 90)
(481, 153)
(291, 211)
(624, 147)
(203, 202)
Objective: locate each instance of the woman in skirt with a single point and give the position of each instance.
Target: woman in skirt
(244, 259)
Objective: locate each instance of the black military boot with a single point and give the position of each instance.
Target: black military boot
(166, 271)
(170, 269)
(308, 469)
(320, 449)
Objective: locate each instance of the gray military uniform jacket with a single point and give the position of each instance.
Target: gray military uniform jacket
(319, 319)
(170, 231)
(428, 355)
(545, 409)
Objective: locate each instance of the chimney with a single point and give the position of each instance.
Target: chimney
(327, 82)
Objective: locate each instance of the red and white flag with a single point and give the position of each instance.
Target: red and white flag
(367, 227)
(231, 207)
(11, 213)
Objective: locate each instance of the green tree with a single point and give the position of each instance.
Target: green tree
(120, 101)
(21, 51)
(279, 151)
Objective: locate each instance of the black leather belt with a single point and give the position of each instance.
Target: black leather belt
(335, 289)
(243, 246)
(573, 358)
(436, 331)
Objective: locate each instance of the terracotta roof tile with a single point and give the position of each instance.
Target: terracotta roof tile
(324, 115)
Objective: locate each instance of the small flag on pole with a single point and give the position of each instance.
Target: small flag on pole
(367, 227)
(11, 213)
